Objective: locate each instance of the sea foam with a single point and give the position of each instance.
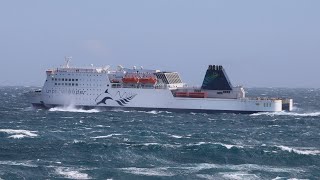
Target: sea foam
(283, 113)
(147, 171)
(71, 173)
(107, 136)
(304, 151)
(73, 109)
(19, 133)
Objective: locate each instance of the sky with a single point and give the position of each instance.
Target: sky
(269, 43)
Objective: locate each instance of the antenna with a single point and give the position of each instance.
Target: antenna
(67, 59)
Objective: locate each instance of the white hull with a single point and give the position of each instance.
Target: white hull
(155, 99)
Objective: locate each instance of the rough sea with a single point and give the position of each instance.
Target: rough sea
(70, 143)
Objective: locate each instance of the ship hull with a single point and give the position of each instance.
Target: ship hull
(150, 99)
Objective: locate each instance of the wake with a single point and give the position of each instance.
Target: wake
(283, 113)
(73, 109)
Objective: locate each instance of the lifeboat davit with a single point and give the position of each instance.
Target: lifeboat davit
(149, 80)
(130, 80)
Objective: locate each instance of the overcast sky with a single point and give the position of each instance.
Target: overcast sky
(271, 43)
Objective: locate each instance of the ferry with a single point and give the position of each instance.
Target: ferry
(147, 89)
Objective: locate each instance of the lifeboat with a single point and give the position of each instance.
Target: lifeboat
(149, 80)
(198, 94)
(130, 80)
(182, 94)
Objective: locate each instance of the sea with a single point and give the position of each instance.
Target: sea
(71, 143)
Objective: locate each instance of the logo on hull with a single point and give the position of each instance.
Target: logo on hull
(122, 100)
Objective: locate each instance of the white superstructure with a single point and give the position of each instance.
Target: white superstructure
(139, 88)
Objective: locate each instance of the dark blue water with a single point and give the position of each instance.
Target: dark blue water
(68, 143)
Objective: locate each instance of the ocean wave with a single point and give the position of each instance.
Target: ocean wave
(176, 136)
(151, 112)
(230, 176)
(73, 109)
(283, 113)
(107, 136)
(22, 163)
(147, 171)
(71, 173)
(157, 144)
(304, 151)
(192, 168)
(155, 112)
(19, 133)
(239, 176)
(228, 146)
(121, 110)
(242, 171)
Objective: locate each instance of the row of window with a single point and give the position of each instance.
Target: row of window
(266, 104)
(78, 74)
(66, 84)
(63, 79)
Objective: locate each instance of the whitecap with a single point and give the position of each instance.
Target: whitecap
(150, 112)
(75, 141)
(229, 146)
(148, 171)
(239, 176)
(121, 110)
(151, 144)
(71, 173)
(19, 133)
(107, 136)
(176, 136)
(17, 136)
(284, 113)
(20, 163)
(73, 109)
(192, 168)
(304, 151)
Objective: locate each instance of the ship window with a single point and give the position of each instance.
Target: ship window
(52, 79)
(69, 79)
(72, 84)
(76, 84)
(76, 79)
(69, 84)
(58, 84)
(72, 79)
(55, 83)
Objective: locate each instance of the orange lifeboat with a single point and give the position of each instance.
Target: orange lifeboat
(149, 80)
(198, 94)
(130, 80)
